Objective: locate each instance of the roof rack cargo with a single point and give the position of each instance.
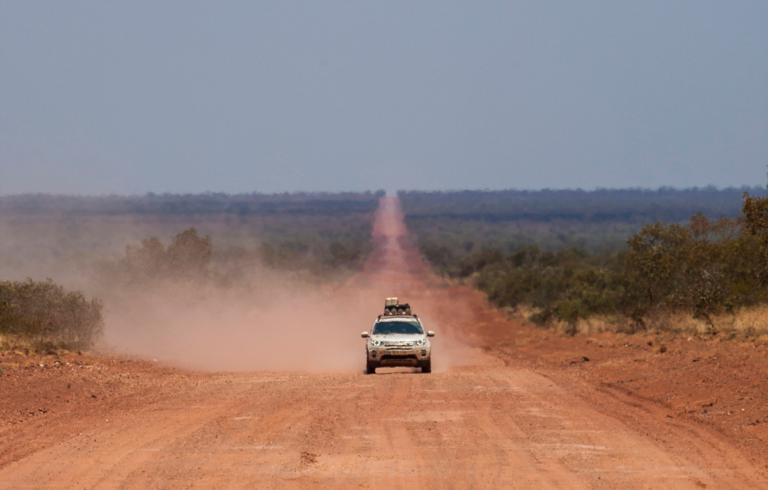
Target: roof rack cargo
(392, 307)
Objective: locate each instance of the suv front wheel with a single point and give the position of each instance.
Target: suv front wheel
(427, 367)
(369, 368)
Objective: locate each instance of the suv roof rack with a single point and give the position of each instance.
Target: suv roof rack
(392, 307)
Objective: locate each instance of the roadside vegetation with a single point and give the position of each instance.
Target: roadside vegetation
(41, 316)
(186, 248)
(703, 276)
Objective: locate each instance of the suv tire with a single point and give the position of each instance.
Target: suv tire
(427, 367)
(369, 368)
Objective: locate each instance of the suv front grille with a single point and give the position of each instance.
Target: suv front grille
(398, 358)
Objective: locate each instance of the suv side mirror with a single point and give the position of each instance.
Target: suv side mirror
(364, 335)
(430, 333)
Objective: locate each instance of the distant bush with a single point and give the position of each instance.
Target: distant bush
(319, 257)
(46, 313)
(186, 258)
(192, 258)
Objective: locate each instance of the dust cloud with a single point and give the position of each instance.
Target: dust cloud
(272, 321)
(284, 328)
(284, 325)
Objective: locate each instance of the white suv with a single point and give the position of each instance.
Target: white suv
(398, 340)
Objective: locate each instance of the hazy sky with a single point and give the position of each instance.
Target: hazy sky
(132, 97)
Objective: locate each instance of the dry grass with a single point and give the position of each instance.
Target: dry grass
(23, 345)
(748, 324)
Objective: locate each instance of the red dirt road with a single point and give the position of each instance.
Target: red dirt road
(487, 417)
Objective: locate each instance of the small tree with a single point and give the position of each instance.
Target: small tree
(146, 261)
(189, 254)
(187, 257)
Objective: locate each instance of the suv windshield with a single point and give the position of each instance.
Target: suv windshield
(386, 328)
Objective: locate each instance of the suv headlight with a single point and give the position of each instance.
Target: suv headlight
(421, 342)
(376, 343)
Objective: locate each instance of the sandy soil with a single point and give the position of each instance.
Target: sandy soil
(508, 406)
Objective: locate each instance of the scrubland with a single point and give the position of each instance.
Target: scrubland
(552, 257)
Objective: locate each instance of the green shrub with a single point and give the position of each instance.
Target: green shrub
(567, 285)
(46, 312)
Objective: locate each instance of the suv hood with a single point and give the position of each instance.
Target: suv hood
(399, 337)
